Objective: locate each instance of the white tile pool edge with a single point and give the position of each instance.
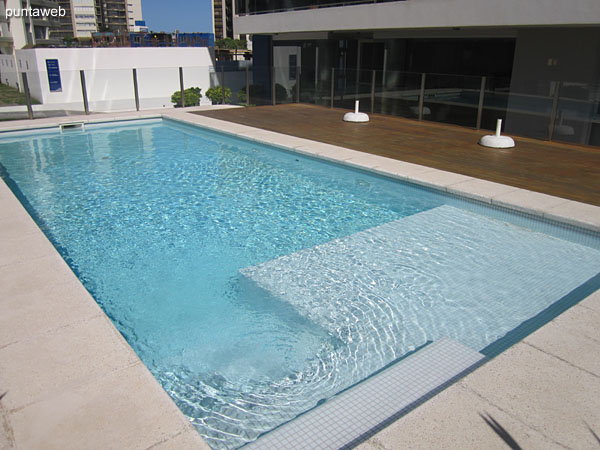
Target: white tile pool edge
(31, 250)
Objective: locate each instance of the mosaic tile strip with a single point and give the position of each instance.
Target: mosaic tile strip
(357, 413)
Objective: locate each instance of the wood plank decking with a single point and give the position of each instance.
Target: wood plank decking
(562, 170)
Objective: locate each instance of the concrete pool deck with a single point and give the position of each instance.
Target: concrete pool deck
(69, 380)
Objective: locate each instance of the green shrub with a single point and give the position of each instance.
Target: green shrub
(192, 97)
(281, 93)
(216, 94)
(255, 93)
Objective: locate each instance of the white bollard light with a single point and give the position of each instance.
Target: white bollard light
(496, 140)
(356, 116)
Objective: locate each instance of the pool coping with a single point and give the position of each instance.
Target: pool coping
(36, 278)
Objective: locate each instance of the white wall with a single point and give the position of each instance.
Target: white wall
(109, 77)
(414, 14)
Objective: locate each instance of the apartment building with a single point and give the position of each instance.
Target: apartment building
(223, 18)
(28, 29)
(85, 17)
(524, 46)
(6, 40)
(135, 20)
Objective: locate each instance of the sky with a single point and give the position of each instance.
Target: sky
(184, 15)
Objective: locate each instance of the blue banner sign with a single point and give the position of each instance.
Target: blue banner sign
(53, 75)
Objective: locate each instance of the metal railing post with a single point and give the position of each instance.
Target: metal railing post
(181, 87)
(421, 96)
(27, 95)
(373, 92)
(223, 84)
(480, 105)
(135, 90)
(86, 107)
(247, 86)
(554, 110)
(332, 86)
(273, 86)
(297, 84)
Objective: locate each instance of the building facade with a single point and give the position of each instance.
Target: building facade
(6, 40)
(86, 17)
(135, 20)
(32, 28)
(534, 51)
(111, 15)
(223, 18)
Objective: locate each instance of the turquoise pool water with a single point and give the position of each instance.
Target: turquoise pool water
(254, 282)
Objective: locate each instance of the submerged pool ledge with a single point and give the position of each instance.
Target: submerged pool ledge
(69, 380)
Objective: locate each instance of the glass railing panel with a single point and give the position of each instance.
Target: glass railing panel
(13, 102)
(451, 99)
(495, 102)
(62, 98)
(157, 85)
(235, 80)
(398, 94)
(308, 84)
(260, 86)
(322, 93)
(196, 82)
(351, 85)
(285, 84)
(529, 109)
(230, 80)
(577, 116)
(565, 111)
(110, 90)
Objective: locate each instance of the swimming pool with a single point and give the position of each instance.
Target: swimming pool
(186, 238)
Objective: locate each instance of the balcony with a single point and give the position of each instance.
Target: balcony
(48, 42)
(44, 3)
(244, 7)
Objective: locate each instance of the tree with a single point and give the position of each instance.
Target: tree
(231, 44)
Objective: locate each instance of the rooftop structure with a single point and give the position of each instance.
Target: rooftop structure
(145, 39)
(171, 39)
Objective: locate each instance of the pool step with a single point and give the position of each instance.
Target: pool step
(443, 272)
(357, 413)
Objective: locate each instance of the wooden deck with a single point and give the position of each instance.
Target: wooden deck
(563, 170)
